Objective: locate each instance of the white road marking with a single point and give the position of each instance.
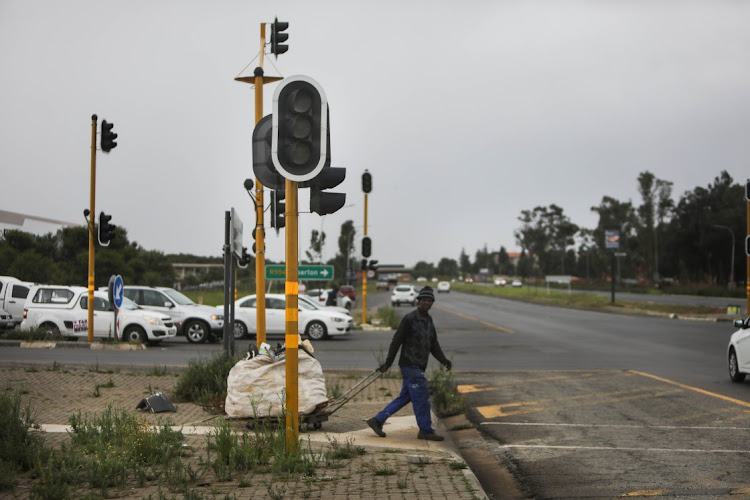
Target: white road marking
(619, 426)
(614, 448)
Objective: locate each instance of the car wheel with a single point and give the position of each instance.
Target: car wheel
(196, 331)
(316, 330)
(134, 333)
(240, 330)
(51, 329)
(734, 369)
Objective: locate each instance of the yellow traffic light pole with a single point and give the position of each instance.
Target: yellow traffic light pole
(292, 316)
(92, 232)
(364, 277)
(258, 80)
(747, 259)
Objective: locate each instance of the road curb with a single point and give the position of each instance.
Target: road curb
(53, 344)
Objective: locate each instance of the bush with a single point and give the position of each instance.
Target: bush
(446, 400)
(205, 382)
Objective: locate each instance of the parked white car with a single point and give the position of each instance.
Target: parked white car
(322, 296)
(738, 351)
(6, 320)
(404, 294)
(13, 293)
(319, 305)
(63, 310)
(197, 322)
(313, 323)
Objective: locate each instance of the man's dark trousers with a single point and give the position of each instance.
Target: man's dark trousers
(414, 389)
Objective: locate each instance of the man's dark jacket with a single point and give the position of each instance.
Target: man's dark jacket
(417, 338)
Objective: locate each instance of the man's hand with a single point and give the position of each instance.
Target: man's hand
(448, 365)
(383, 368)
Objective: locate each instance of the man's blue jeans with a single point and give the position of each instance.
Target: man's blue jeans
(414, 389)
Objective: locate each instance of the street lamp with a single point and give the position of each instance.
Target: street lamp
(731, 269)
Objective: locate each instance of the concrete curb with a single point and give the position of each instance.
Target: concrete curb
(62, 344)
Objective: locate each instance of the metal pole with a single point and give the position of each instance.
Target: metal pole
(613, 277)
(364, 277)
(292, 317)
(747, 265)
(92, 232)
(260, 243)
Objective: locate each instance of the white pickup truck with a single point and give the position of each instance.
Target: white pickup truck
(63, 310)
(13, 293)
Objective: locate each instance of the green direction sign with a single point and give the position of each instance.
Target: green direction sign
(320, 273)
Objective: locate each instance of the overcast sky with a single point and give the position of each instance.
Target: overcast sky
(465, 112)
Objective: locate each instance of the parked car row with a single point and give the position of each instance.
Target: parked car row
(63, 311)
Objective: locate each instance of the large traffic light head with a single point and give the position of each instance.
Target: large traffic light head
(277, 37)
(323, 203)
(300, 122)
(366, 246)
(373, 265)
(366, 182)
(108, 137)
(277, 209)
(106, 230)
(263, 166)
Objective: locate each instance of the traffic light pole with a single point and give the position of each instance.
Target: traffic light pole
(260, 241)
(747, 264)
(364, 277)
(292, 316)
(92, 232)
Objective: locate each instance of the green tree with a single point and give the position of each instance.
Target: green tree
(546, 232)
(447, 268)
(317, 241)
(425, 269)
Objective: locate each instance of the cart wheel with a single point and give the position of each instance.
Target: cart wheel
(317, 426)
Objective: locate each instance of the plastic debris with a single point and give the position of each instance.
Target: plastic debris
(157, 403)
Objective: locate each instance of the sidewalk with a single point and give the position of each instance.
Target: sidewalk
(57, 392)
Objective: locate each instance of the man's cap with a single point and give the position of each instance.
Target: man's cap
(426, 293)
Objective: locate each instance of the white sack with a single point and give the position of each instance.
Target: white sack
(255, 387)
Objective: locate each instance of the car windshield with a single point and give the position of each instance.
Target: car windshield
(308, 302)
(128, 304)
(178, 297)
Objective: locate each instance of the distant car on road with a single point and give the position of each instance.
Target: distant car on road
(421, 279)
(500, 282)
(516, 284)
(444, 286)
(404, 294)
(322, 296)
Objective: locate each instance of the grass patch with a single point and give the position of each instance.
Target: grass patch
(205, 383)
(446, 400)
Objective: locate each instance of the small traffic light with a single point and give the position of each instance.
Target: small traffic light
(263, 166)
(366, 182)
(108, 137)
(366, 246)
(323, 203)
(373, 265)
(299, 148)
(106, 230)
(277, 209)
(277, 37)
(255, 236)
(363, 266)
(244, 260)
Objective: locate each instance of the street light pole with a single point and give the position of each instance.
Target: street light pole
(731, 268)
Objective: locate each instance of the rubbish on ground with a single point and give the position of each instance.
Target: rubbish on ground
(157, 403)
(418, 459)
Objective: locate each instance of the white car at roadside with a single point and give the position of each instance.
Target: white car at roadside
(444, 286)
(315, 324)
(404, 294)
(63, 311)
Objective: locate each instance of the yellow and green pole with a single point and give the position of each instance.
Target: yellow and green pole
(292, 316)
(92, 231)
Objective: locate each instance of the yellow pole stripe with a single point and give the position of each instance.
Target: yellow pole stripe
(291, 341)
(696, 389)
(291, 288)
(292, 315)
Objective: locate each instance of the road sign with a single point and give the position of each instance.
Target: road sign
(236, 234)
(321, 273)
(119, 291)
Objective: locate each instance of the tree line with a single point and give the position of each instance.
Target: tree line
(689, 241)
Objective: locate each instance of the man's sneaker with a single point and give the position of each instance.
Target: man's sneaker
(430, 436)
(376, 426)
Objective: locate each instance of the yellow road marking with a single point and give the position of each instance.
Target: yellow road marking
(467, 389)
(472, 318)
(696, 389)
(645, 493)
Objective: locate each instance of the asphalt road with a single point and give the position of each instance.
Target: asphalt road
(579, 404)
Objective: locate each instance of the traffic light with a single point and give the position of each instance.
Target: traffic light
(747, 245)
(106, 230)
(323, 203)
(363, 266)
(747, 191)
(244, 260)
(277, 209)
(299, 148)
(366, 182)
(263, 167)
(277, 37)
(373, 265)
(108, 137)
(255, 234)
(366, 246)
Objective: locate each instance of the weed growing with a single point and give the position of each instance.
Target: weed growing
(205, 382)
(446, 400)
